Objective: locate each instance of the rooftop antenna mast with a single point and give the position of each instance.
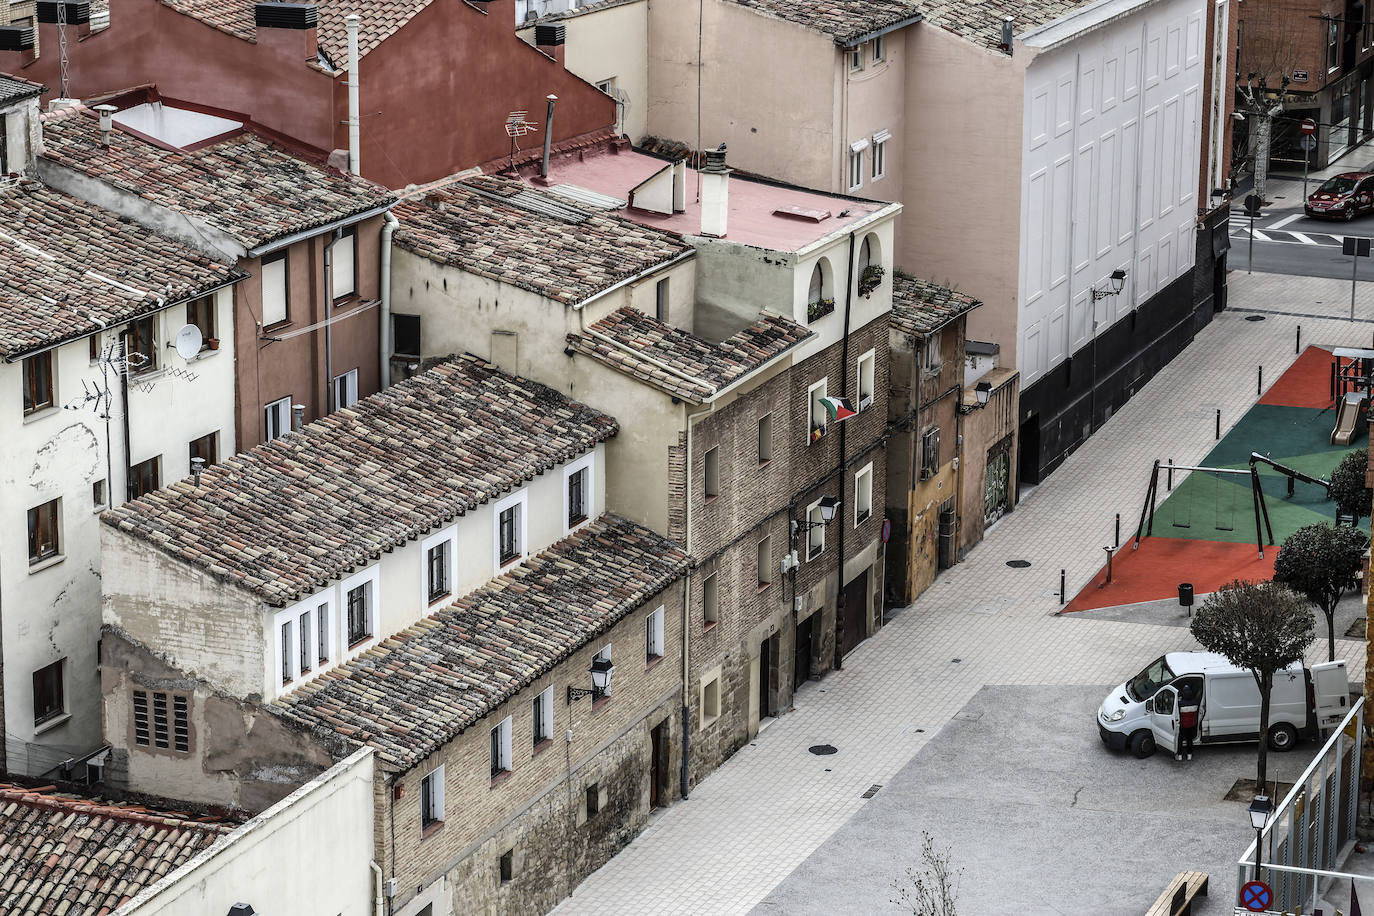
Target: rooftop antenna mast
(62, 47)
(518, 125)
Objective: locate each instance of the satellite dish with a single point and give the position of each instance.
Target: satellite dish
(188, 341)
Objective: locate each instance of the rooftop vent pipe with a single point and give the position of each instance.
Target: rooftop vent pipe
(354, 142)
(107, 113)
(1007, 35)
(197, 465)
(548, 137)
(297, 416)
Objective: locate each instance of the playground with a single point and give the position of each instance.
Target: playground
(1224, 518)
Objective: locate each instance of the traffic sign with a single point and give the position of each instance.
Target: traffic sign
(1309, 127)
(887, 529)
(1256, 896)
(1253, 204)
(1308, 143)
(1355, 246)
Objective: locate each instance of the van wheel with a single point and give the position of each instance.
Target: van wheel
(1142, 744)
(1283, 737)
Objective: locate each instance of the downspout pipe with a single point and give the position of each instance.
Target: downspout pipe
(378, 907)
(844, 392)
(354, 141)
(384, 331)
(329, 405)
(128, 446)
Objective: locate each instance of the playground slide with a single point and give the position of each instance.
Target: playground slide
(1347, 418)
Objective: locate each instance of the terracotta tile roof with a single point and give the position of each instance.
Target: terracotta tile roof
(15, 89)
(702, 368)
(980, 21)
(842, 20)
(68, 267)
(284, 518)
(547, 244)
(76, 856)
(244, 186)
(921, 306)
(595, 6)
(419, 689)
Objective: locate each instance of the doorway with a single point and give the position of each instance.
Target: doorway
(1028, 451)
(946, 530)
(855, 613)
(801, 659)
(768, 667)
(658, 753)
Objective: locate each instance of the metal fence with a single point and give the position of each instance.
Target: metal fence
(1311, 826)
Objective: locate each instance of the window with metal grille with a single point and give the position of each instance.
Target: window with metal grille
(142, 736)
(153, 727)
(930, 453)
(161, 725)
(181, 726)
(359, 627)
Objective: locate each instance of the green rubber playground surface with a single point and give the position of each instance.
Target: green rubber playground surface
(1220, 507)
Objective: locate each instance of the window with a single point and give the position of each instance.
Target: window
(436, 568)
(510, 529)
(506, 867)
(765, 438)
(932, 352)
(94, 343)
(140, 343)
(1332, 45)
(206, 448)
(607, 85)
(307, 645)
(346, 389)
(577, 492)
(405, 335)
(876, 49)
(930, 453)
(863, 495)
(880, 155)
(276, 419)
(817, 410)
(100, 497)
(144, 477)
(47, 692)
(816, 290)
(856, 169)
(711, 473)
(710, 601)
(287, 644)
(865, 379)
(856, 59)
(201, 313)
(603, 655)
(275, 300)
(593, 796)
(710, 699)
(500, 748)
(38, 387)
(343, 277)
(359, 613)
(815, 534)
(653, 636)
(661, 300)
(765, 562)
(541, 721)
(432, 799)
(43, 531)
(322, 633)
(157, 726)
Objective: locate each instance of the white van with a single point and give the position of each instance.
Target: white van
(1143, 712)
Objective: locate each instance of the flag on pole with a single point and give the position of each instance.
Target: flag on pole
(838, 408)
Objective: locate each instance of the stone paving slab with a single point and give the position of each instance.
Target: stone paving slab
(758, 817)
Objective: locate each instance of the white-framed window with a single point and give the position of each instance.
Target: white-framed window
(579, 492)
(275, 300)
(764, 562)
(710, 698)
(710, 473)
(880, 141)
(765, 439)
(541, 718)
(653, 636)
(815, 534)
(343, 264)
(877, 50)
(432, 798)
(500, 748)
(324, 626)
(305, 641)
(710, 601)
(856, 169)
(607, 85)
(863, 494)
(302, 636)
(817, 413)
(508, 540)
(39, 390)
(661, 299)
(346, 389)
(276, 419)
(437, 553)
(856, 59)
(49, 692)
(864, 375)
(45, 531)
(603, 655)
(359, 611)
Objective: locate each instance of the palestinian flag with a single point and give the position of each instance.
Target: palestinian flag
(838, 408)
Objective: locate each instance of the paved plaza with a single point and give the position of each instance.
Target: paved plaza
(753, 822)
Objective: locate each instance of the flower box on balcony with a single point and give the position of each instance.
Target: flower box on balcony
(819, 309)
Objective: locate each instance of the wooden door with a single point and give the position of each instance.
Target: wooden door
(801, 667)
(855, 613)
(657, 752)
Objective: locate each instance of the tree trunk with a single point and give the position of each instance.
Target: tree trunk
(1262, 127)
(1330, 632)
(1266, 684)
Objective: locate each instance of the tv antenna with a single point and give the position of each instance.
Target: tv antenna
(518, 124)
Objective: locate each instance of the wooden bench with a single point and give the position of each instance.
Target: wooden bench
(1177, 899)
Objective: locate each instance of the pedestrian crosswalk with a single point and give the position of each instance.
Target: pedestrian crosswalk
(1291, 236)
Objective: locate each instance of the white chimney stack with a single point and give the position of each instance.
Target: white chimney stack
(354, 142)
(107, 113)
(297, 416)
(715, 194)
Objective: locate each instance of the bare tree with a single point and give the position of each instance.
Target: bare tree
(1270, 46)
(932, 889)
(1262, 626)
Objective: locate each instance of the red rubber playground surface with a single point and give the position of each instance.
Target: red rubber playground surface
(1307, 383)
(1152, 572)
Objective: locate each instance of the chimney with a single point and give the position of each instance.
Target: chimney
(297, 416)
(197, 465)
(107, 113)
(549, 38)
(715, 194)
(1007, 36)
(354, 142)
(548, 137)
(290, 29)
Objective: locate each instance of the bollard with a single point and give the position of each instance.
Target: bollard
(1117, 540)
(1218, 423)
(1297, 343)
(1110, 551)
(1259, 381)
(1169, 477)
(1062, 599)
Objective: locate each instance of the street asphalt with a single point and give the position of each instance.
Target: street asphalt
(1039, 816)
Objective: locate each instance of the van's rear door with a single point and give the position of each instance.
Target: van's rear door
(1331, 693)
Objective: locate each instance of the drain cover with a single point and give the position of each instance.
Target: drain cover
(872, 790)
(1254, 317)
(1018, 564)
(823, 750)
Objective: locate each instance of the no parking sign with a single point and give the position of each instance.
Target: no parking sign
(1256, 896)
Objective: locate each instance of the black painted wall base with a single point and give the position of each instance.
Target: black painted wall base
(1070, 402)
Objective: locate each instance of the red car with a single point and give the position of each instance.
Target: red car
(1344, 196)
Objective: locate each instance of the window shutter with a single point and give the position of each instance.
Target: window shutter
(438, 792)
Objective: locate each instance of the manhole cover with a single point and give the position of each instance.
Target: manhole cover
(822, 750)
(1018, 564)
(1254, 317)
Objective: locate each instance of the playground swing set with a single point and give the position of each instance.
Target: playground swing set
(1222, 521)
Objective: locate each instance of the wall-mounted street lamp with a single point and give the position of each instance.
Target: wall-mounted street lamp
(829, 505)
(1118, 284)
(983, 391)
(602, 669)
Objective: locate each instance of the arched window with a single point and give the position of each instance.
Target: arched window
(865, 254)
(817, 290)
(820, 295)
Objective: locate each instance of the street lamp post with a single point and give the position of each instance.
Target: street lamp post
(1260, 809)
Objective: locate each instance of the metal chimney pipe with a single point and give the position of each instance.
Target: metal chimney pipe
(297, 416)
(197, 465)
(107, 113)
(1007, 35)
(354, 142)
(548, 138)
